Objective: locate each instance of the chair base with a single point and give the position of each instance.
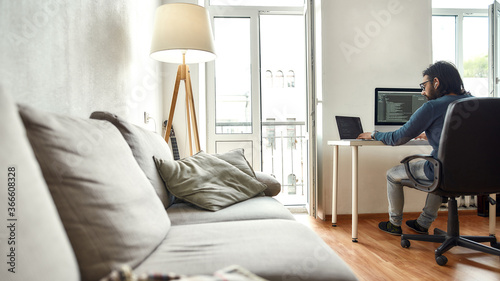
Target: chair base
(451, 238)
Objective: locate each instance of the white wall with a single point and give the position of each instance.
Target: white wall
(368, 44)
(75, 57)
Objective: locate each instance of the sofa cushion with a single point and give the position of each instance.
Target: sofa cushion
(236, 157)
(41, 249)
(207, 181)
(271, 249)
(273, 185)
(108, 207)
(144, 145)
(261, 207)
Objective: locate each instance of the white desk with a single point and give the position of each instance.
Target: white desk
(354, 148)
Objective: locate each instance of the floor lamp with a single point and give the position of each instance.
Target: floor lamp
(183, 34)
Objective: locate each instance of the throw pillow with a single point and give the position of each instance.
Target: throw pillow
(107, 205)
(273, 185)
(237, 158)
(144, 144)
(207, 181)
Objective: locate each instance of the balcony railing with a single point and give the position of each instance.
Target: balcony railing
(284, 155)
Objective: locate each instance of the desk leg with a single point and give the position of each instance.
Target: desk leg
(335, 182)
(493, 214)
(354, 193)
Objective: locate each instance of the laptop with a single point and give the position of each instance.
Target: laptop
(349, 127)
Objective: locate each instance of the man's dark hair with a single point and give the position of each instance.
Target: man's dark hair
(449, 78)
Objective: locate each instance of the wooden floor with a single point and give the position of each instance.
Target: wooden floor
(379, 256)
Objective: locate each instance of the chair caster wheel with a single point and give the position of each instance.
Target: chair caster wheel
(405, 243)
(494, 244)
(441, 260)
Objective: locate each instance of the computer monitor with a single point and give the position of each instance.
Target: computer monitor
(394, 106)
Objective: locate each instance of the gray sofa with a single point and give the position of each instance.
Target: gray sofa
(84, 197)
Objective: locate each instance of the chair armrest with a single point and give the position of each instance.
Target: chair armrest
(427, 186)
(273, 185)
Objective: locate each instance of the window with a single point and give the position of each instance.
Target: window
(233, 79)
(268, 79)
(475, 55)
(290, 3)
(279, 79)
(460, 36)
(290, 79)
(443, 38)
(461, 4)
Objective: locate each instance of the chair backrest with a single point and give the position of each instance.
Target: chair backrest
(469, 148)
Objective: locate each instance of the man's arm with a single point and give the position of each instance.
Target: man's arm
(365, 136)
(414, 128)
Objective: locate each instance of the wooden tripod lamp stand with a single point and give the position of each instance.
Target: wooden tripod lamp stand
(183, 34)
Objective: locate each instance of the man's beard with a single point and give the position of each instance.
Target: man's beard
(432, 94)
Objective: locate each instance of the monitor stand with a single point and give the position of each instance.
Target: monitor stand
(387, 128)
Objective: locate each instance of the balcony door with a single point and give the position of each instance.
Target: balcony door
(233, 87)
(494, 49)
(257, 86)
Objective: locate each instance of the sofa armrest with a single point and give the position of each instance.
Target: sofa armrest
(273, 185)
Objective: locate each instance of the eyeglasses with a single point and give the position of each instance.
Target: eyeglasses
(422, 85)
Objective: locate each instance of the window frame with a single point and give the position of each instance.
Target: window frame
(459, 23)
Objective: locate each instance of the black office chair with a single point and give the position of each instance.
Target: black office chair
(468, 164)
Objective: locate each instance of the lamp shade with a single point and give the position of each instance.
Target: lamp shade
(182, 28)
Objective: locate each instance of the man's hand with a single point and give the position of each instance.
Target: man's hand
(365, 136)
(422, 136)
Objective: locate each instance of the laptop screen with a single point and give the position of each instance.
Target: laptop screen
(349, 127)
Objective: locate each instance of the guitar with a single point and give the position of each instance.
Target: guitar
(173, 140)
